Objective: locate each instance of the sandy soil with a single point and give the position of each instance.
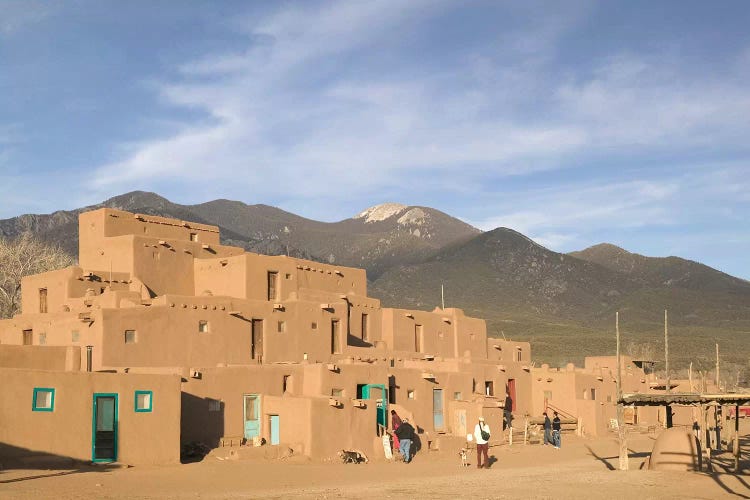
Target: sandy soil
(581, 469)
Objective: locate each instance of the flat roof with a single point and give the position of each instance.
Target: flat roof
(685, 398)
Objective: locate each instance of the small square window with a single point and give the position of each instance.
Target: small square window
(193, 236)
(457, 396)
(337, 393)
(314, 325)
(42, 339)
(44, 399)
(203, 326)
(281, 326)
(214, 405)
(130, 337)
(409, 393)
(75, 336)
(143, 401)
(288, 276)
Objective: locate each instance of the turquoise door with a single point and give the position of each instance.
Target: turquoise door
(274, 420)
(104, 428)
(380, 394)
(437, 409)
(252, 415)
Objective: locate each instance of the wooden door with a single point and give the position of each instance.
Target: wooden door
(256, 349)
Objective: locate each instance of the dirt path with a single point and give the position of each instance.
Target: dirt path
(579, 470)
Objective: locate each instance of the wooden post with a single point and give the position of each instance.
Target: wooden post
(737, 438)
(707, 438)
(624, 465)
(718, 379)
(666, 352)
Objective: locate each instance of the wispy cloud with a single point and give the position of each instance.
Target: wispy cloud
(17, 15)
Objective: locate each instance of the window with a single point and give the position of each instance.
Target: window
(286, 384)
(364, 327)
(585, 394)
(288, 276)
(281, 326)
(313, 326)
(593, 393)
(409, 393)
(42, 338)
(202, 326)
(609, 398)
(28, 337)
(75, 336)
(457, 396)
(418, 338)
(214, 405)
(44, 399)
(42, 300)
(489, 388)
(335, 341)
(143, 401)
(519, 355)
(193, 236)
(273, 279)
(337, 393)
(130, 337)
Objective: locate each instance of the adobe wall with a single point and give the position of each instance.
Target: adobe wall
(62, 358)
(144, 438)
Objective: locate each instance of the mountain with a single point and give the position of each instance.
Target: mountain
(564, 303)
(667, 271)
(376, 239)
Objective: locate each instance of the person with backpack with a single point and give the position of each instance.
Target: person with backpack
(482, 438)
(556, 431)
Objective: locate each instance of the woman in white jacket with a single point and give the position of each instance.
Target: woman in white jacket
(482, 437)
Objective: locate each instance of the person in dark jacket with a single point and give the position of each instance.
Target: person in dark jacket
(405, 434)
(547, 429)
(556, 431)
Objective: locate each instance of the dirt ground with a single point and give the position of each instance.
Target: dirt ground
(581, 469)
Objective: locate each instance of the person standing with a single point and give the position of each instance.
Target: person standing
(547, 429)
(556, 431)
(405, 435)
(395, 424)
(482, 438)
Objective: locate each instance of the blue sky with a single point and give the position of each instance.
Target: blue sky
(573, 122)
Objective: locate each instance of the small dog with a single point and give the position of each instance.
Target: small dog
(464, 457)
(353, 457)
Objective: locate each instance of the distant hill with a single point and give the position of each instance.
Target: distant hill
(564, 303)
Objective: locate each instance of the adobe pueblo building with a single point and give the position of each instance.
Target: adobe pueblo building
(162, 336)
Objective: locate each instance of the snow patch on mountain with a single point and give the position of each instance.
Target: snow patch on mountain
(414, 217)
(380, 212)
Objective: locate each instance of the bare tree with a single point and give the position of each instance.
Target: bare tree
(23, 256)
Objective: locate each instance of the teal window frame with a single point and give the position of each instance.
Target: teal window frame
(52, 400)
(150, 402)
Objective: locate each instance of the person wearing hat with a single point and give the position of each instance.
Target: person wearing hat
(482, 437)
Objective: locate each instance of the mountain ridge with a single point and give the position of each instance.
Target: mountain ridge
(564, 302)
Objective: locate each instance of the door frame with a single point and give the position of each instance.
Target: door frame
(258, 411)
(435, 392)
(93, 426)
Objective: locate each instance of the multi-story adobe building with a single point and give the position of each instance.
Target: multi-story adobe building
(162, 336)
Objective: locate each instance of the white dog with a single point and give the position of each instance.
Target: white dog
(464, 457)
